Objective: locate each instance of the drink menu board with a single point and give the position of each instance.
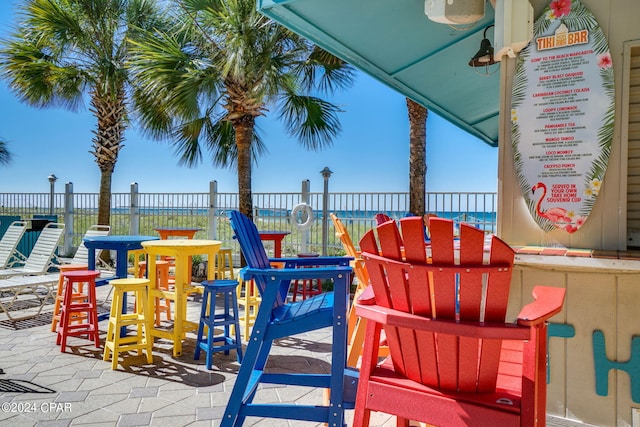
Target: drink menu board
(562, 115)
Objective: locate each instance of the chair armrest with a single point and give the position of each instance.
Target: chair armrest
(548, 302)
(484, 330)
(367, 297)
(298, 273)
(313, 261)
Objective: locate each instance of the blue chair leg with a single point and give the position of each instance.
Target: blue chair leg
(203, 313)
(236, 317)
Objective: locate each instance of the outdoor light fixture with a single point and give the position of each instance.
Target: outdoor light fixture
(484, 56)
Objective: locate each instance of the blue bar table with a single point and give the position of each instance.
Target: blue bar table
(121, 245)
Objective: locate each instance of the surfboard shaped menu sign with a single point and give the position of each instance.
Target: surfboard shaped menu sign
(562, 114)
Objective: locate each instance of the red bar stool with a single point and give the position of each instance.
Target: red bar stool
(162, 282)
(305, 287)
(78, 297)
(80, 305)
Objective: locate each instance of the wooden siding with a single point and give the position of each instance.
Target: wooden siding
(633, 152)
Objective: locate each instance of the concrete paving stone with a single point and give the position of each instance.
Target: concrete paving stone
(90, 384)
(53, 423)
(210, 413)
(220, 399)
(17, 368)
(176, 395)
(144, 392)
(45, 369)
(18, 377)
(88, 373)
(78, 409)
(41, 358)
(151, 404)
(176, 409)
(294, 394)
(132, 420)
(59, 383)
(211, 389)
(19, 420)
(37, 398)
(98, 416)
(205, 423)
(127, 406)
(72, 396)
(172, 421)
(95, 424)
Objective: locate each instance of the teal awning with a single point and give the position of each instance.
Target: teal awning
(395, 42)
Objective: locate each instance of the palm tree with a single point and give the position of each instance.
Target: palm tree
(204, 85)
(5, 155)
(66, 50)
(417, 156)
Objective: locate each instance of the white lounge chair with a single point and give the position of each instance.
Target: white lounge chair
(82, 254)
(40, 288)
(40, 259)
(9, 253)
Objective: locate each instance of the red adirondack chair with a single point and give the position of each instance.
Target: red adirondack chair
(453, 359)
(381, 218)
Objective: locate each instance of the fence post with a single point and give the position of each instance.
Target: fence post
(304, 236)
(68, 219)
(213, 203)
(134, 211)
(326, 174)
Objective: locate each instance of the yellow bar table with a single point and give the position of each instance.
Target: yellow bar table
(182, 250)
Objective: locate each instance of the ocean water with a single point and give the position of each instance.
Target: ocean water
(475, 216)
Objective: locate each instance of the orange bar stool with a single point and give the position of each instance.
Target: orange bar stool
(248, 303)
(86, 305)
(78, 296)
(209, 318)
(224, 263)
(305, 287)
(140, 319)
(162, 282)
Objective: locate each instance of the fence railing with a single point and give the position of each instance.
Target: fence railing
(140, 213)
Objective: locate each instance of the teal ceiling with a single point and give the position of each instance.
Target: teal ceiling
(395, 42)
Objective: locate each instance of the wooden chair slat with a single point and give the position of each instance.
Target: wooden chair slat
(413, 239)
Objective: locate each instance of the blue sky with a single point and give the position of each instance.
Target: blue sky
(370, 154)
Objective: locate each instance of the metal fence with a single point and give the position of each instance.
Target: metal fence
(140, 213)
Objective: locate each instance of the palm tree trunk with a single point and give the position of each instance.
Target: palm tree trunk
(417, 156)
(244, 134)
(107, 142)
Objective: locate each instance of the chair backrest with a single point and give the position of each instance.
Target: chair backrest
(39, 260)
(350, 249)
(9, 242)
(381, 218)
(82, 254)
(252, 248)
(450, 285)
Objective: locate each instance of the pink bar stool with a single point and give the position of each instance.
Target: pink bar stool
(77, 306)
(305, 287)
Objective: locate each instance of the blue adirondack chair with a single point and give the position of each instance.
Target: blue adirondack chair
(277, 319)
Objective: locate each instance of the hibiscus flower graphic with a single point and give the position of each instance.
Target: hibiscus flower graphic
(604, 60)
(560, 8)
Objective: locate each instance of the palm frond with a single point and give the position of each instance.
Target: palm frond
(312, 120)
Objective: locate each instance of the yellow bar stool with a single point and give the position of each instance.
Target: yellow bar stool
(141, 319)
(248, 303)
(224, 264)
